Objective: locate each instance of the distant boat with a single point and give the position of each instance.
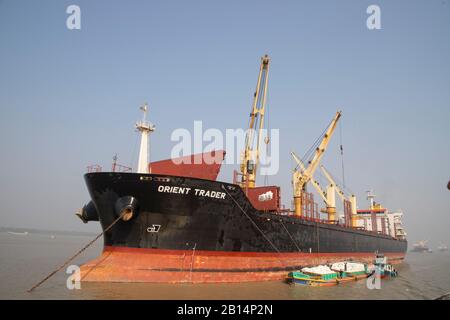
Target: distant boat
(52, 237)
(442, 247)
(421, 246)
(18, 233)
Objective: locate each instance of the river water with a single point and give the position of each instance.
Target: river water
(26, 259)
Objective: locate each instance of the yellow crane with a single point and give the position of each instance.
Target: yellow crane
(250, 155)
(315, 183)
(327, 196)
(304, 174)
(341, 194)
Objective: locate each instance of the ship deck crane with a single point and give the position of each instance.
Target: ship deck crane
(316, 185)
(327, 196)
(341, 194)
(301, 176)
(250, 155)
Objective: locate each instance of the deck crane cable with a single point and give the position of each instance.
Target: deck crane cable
(251, 220)
(257, 115)
(248, 125)
(290, 236)
(306, 174)
(308, 155)
(267, 139)
(320, 178)
(342, 154)
(258, 228)
(339, 183)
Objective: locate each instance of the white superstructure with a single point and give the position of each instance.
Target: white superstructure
(385, 220)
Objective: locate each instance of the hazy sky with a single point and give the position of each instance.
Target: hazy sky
(69, 98)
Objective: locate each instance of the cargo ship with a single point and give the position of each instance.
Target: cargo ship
(421, 246)
(172, 221)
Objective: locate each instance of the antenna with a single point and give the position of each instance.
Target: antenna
(144, 108)
(114, 163)
(371, 197)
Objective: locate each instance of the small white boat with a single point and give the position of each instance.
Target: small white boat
(18, 233)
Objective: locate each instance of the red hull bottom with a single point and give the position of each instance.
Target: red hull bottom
(121, 264)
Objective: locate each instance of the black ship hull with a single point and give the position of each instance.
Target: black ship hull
(178, 216)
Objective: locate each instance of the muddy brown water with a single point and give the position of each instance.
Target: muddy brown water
(26, 259)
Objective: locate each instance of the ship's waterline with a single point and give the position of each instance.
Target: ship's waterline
(121, 264)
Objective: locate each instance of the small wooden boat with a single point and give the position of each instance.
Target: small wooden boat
(304, 279)
(318, 276)
(327, 276)
(350, 271)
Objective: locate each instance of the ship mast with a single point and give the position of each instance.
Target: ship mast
(250, 156)
(371, 197)
(145, 128)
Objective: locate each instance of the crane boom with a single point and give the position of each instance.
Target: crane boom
(316, 185)
(301, 178)
(321, 149)
(340, 193)
(250, 156)
(351, 199)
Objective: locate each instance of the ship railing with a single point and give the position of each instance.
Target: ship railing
(306, 218)
(94, 168)
(285, 212)
(313, 219)
(120, 168)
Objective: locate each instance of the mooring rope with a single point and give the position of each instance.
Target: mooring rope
(251, 220)
(76, 254)
(444, 297)
(290, 236)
